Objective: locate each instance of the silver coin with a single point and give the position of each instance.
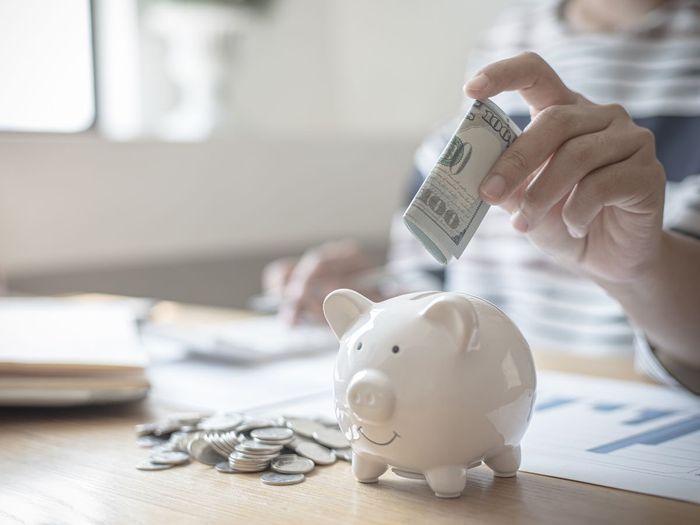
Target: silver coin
(343, 453)
(145, 429)
(249, 467)
(203, 452)
(251, 423)
(187, 418)
(248, 470)
(275, 478)
(327, 422)
(298, 440)
(304, 427)
(272, 434)
(244, 462)
(149, 441)
(242, 466)
(294, 443)
(255, 447)
(181, 440)
(168, 447)
(183, 435)
(252, 461)
(221, 422)
(217, 444)
(224, 468)
(274, 443)
(331, 437)
(251, 458)
(166, 428)
(148, 465)
(292, 464)
(315, 452)
(170, 458)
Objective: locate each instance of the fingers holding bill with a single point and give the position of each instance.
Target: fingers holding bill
(614, 185)
(551, 129)
(571, 163)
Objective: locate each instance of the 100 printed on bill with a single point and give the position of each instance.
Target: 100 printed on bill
(447, 209)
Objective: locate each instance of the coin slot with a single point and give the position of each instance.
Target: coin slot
(422, 295)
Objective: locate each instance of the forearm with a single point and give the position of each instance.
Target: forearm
(664, 301)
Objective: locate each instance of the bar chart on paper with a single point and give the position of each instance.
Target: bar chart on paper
(630, 436)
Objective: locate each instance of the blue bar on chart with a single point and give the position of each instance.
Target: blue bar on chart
(653, 437)
(607, 407)
(648, 414)
(553, 403)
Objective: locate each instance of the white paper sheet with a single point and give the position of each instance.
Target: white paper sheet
(642, 438)
(254, 340)
(207, 384)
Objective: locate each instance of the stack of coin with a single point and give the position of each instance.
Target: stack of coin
(237, 443)
(201, 449)
(164, 460)
(222, 442)
(252, 456)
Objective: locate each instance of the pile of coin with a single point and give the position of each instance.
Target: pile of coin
(286, 448)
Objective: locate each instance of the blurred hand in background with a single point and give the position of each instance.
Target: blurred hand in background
(302, 283)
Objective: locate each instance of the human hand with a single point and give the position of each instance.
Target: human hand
(582, 181)
(302, 283)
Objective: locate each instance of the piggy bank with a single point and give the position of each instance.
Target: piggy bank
(430, 384)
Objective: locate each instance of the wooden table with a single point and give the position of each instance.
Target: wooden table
(76, 466)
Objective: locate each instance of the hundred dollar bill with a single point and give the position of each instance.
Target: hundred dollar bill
(447, 209)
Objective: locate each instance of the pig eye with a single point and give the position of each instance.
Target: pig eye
(395, 349)
(359, 345)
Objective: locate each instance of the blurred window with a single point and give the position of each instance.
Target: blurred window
(46, 66)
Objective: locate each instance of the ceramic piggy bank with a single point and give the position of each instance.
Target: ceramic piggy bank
(430, 384)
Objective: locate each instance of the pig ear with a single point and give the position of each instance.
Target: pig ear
(458, 316)
(342, 308)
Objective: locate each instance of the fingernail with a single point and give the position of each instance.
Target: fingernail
(576, 234)
(493, 188)
(478, 83)
(519, 222)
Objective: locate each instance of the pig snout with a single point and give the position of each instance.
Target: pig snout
(371, 396)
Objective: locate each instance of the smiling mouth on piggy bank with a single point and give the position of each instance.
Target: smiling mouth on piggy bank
(362, 433)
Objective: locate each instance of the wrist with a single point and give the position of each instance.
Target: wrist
(662, 300)
(644, 278)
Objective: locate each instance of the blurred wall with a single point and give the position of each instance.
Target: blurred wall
(91, 203)
(367, 67)
(330, 100)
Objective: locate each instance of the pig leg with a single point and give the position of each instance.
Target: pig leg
(506, 463)
(447, 482)
(366, 469)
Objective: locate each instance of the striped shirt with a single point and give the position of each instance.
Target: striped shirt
(653, 70)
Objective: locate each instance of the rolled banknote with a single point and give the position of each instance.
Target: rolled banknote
(447, 209)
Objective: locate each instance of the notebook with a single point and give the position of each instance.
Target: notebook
(68, 352)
